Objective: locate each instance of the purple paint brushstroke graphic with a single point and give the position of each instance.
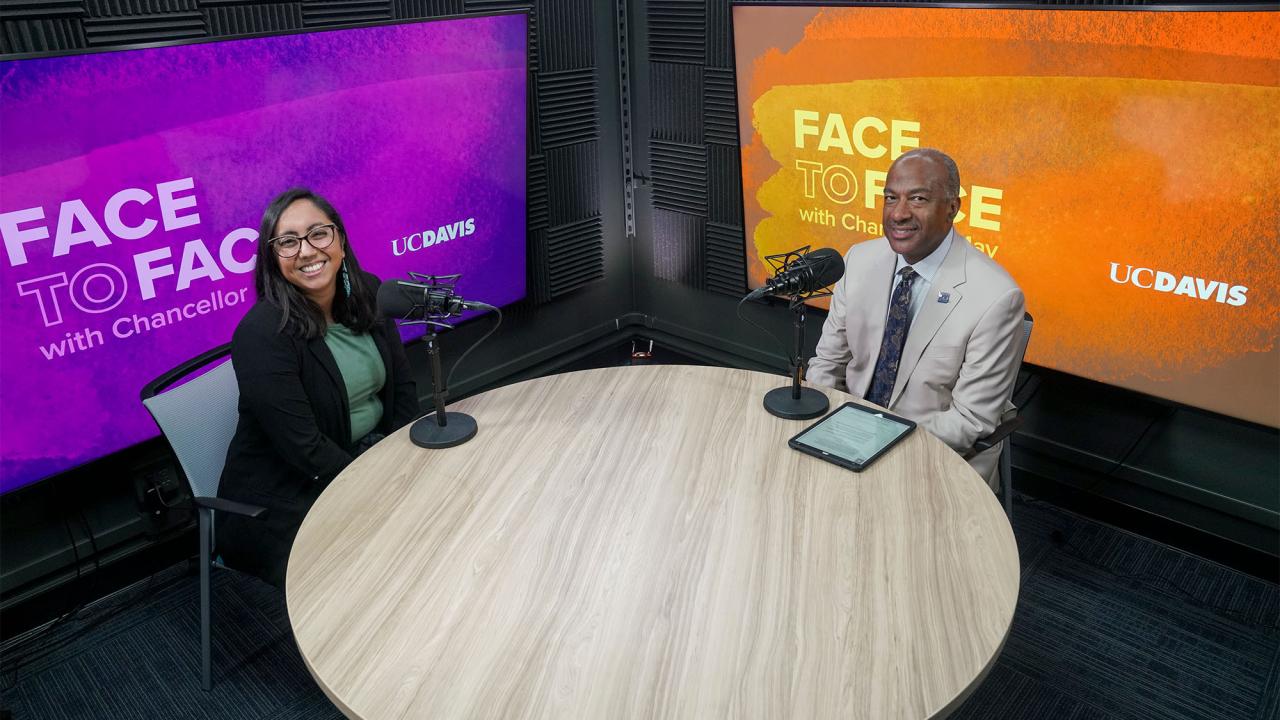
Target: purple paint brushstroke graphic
(131, 185)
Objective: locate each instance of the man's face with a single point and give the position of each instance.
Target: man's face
(918, 210)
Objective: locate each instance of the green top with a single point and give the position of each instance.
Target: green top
(364, 374)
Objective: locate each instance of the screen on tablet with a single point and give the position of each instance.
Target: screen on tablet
(854, 434)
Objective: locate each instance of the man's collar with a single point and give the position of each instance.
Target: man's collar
(928, 267)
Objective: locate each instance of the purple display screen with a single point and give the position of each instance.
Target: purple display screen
(132, 184)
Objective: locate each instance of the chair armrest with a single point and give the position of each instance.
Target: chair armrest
(224, 505)
(1002, 431)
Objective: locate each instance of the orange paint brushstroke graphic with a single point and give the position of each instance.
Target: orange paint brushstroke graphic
(1120, 165)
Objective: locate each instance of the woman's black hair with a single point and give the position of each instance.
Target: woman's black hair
(299, 315)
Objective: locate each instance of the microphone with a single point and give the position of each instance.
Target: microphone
(404, 300)
(808, 273)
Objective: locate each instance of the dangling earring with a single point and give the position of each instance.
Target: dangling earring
(346, 279)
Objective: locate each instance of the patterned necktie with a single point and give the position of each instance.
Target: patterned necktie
(895, 334)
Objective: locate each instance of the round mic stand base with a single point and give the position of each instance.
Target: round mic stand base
(795, 402)
(429, 433)
(810, 404)
(440, 429)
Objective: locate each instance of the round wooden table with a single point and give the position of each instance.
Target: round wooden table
(640, 542)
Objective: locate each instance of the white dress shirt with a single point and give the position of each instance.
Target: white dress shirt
(927, 269)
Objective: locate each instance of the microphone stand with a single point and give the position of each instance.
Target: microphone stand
(794, 402)
(441, 429)
(448, 428)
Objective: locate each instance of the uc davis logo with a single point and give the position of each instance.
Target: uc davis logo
(1188, 285)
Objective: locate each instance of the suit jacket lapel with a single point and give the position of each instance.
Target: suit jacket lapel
(872, 292)
(321, 354)
(324, 356)
(388, 393)
(933, 313)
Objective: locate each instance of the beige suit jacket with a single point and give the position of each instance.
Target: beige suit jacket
(960, 359)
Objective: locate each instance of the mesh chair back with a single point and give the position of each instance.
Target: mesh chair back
(1006, 451)
(198, 419)
(1027, 323)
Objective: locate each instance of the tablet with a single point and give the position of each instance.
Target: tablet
(853, 436)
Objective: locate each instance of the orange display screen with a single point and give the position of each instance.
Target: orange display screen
(1121, 165)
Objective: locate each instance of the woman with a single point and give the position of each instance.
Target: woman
(321, 380)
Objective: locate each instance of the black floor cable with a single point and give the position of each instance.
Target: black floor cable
(9, 666)
(1133, 447)
(13, 663)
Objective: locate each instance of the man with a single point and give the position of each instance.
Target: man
(922, 322)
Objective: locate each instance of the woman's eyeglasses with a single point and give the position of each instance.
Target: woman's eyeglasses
(320, 237)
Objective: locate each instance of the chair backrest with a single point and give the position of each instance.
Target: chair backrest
(197, 417)
(1027, 323)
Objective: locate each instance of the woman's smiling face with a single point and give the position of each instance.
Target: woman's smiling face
(313, 270)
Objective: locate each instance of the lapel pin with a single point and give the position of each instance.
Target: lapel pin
(944, 297)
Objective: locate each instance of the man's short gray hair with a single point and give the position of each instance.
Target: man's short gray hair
(953, 172)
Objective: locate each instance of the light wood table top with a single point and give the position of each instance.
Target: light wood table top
(640, 542)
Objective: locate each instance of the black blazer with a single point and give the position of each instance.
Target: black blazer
(294, 432)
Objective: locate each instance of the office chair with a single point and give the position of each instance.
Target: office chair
(198, 418)
(1002, 431)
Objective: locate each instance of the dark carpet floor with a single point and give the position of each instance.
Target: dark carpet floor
(1109, 626)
